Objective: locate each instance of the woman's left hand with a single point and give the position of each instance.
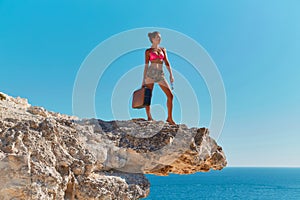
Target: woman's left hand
(171, 79)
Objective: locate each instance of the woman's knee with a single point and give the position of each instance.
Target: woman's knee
(170, 96)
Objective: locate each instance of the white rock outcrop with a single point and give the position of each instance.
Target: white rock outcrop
(47, 155)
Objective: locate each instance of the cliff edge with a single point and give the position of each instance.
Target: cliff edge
(48, 155)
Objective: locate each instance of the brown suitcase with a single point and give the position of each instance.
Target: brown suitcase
(141, 97)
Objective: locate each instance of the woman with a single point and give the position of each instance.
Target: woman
(157, 55)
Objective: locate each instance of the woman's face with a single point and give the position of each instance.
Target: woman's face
(156, 39)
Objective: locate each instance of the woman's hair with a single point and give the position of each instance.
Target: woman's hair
(152, 35)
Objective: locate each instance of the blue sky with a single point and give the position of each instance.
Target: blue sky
(254, 44)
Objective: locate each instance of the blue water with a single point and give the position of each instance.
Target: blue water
(229, 183)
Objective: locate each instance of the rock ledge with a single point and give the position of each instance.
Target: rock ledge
(48, 155)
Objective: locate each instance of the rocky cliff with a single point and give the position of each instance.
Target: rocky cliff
(47, 155)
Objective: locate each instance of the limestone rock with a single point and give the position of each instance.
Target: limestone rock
(48, 155)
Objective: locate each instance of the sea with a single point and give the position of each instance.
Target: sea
(228, 183)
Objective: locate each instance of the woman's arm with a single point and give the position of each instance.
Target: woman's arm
(146, 65)
(168, 65)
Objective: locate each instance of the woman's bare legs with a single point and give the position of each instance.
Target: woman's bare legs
(149, 83)
(166, 88)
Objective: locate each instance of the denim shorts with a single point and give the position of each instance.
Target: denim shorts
(155, 74)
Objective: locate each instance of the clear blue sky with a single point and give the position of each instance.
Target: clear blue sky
(255, 45)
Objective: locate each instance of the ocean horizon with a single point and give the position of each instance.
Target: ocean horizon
(228, 183)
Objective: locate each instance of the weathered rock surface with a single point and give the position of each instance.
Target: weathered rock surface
(47, 155)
